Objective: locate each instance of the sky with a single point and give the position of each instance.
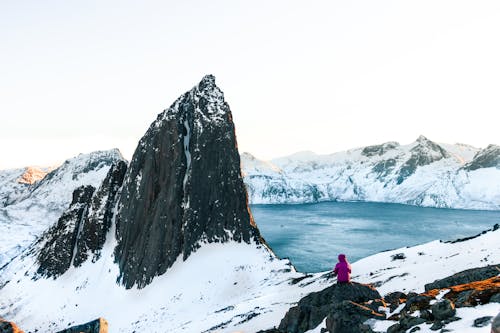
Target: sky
(324, 76)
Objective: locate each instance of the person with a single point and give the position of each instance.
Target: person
(342, 270)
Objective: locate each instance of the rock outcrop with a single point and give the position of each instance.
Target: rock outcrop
(81, 230)
(467, 276)
(100, 325)
(313, 308)
(183, 187)
(56, 254)
(489, 157)
(97, 224)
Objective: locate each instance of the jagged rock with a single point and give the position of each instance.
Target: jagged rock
(486, 158)
(424, 153)
(183, 187)
(408, 321)
(99, 325)
(379, 150)
(467, 276)
(418, 302)
(9, 327)
(472, 294)
(348, 317)
(395, 299)
(56, 255)
(396, 328)
(98, 222)
(443, 309)
(313, 308)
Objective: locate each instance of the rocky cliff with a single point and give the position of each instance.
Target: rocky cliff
(183, 187)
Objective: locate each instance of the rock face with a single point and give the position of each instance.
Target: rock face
(467, 276)
(486, 158)
(313, 308)
(99, 325)
(183, 187)
(97, 224)
(81, 230)
(57, 253)
(424, 153)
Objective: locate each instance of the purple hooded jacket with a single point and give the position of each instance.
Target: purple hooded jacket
(343, 269)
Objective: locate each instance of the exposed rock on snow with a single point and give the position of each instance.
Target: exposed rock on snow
(26, 211)
(99, 325)
(59, 247)
(312, 309)
(423, 173)
(183, 187)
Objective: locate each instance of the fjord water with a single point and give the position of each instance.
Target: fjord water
(312, 235)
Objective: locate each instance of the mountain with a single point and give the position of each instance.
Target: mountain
(27, 209)
(422, 173)
(168, 242)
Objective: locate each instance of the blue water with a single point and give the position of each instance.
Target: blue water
(312, 235)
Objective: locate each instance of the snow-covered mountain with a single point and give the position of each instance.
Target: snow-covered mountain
(29, 208)
(168, 242)
(422, 173)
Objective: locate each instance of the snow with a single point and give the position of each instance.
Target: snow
(31, 209)
(353, 176)
(221, 288)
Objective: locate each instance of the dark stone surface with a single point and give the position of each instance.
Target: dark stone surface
(98, 222)
(313, 308)
(99, 325)
(418, 302)
(348, 317)
(467, 276)
(482, 322)
(488, 157)
(495, 325)
(443, 309)
(60, 240)
(424, 153)
(379, 150)
(183, 187)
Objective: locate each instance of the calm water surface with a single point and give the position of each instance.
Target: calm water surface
(312, 235)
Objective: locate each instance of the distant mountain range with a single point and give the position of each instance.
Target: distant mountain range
(423, 173)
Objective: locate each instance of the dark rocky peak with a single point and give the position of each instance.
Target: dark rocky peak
(488, 157)
(183, 187)
(56, 255)
(98, 222)
(379, 150)
(81, 231)
(423, 153)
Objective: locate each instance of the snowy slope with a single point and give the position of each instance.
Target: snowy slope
(232, 287)
(422, 173)
(27, 210)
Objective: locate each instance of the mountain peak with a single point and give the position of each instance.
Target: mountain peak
(422, 139)
(183, 188)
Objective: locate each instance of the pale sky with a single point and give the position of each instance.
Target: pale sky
(79, 76)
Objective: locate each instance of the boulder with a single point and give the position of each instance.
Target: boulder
(313, 308)
(467, 276)
(443, 309)
(348, 317)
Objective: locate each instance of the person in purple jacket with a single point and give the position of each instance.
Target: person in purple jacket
(342, 270)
